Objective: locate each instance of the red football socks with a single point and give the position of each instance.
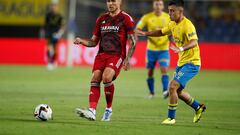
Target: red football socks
(109, 92)
(94, 95)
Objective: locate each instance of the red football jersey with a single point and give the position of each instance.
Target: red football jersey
(113, 32)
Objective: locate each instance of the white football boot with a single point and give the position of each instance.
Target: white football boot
(89, 114)
(165, 94)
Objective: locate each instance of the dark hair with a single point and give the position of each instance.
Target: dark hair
(178, 3)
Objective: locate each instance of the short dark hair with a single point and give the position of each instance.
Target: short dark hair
(178, 3)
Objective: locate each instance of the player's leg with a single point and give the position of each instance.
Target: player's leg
(190, 71)
(151, 62)
(165, 81)
(107, 77)
(173, 97)
(48, 46)
(173, 102)
(94, 96)
(163, 59)
(184, 96)
(54, 57)
(94, 93)
(150, 83)
(112, 70)
(199, 108)
(51, 53)
(183, 75)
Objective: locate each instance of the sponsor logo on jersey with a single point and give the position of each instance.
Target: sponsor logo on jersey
(111, 64)
(110, 28)
(192, 34)
(177, 40)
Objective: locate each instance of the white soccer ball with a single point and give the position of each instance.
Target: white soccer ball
(43, 112)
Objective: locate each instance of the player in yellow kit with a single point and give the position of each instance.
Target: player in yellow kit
(185, 37)
(157, 47)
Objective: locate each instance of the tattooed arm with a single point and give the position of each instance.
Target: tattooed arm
(87, 42)
(132, 40)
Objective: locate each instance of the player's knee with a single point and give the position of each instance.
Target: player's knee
(108, 75)
(173, 87)
(107, 78)
(163, 70)
(97, 77)
(150, 72)
(179, 92)
(96, 80)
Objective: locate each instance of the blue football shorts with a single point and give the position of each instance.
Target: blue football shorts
(185, 73)
(162, 57)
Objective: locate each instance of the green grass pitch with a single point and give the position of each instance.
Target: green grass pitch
(64, 89)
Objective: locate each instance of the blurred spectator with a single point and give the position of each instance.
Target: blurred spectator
(54, 30)
(214, 11)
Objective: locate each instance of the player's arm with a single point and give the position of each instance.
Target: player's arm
(95, 38)
(61, 30)
(140, 25)
(155, 33)
(132, 47)
(191, 36)
(132, 41)
(192, 43)
(137, 30)
(87, 42)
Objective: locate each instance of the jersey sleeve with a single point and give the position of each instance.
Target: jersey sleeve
(190, 32)
(142, 22)
(97, 31)
(129, 24)
(167, 29)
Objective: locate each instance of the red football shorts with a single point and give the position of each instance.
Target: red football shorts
(104, 60)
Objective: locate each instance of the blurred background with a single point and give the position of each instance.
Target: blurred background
(22, 36)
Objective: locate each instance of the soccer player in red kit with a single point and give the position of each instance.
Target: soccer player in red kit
(112, 30)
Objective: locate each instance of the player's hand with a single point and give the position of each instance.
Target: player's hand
(140, 33)
(175, 49)
(136, 36)
(77, 41)
(126, 64)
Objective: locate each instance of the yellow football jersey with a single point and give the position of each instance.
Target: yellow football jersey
(154, 22)
(182, 33)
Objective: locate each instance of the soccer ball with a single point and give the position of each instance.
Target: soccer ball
(43, 112)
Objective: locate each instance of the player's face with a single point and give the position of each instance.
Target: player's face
(54, 8)
(113, 5)
(174, 12)
(158, 6)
